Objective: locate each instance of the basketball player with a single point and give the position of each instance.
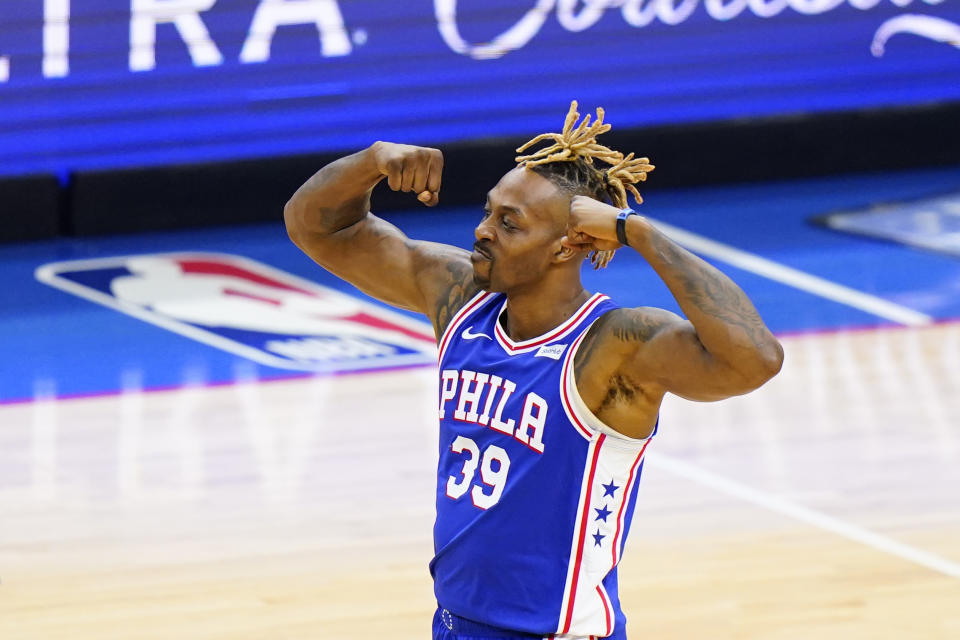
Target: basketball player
(548, 394)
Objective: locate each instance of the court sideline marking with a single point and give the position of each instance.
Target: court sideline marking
(831, 291)
(838, 293)
(794, 277)
(804, 514)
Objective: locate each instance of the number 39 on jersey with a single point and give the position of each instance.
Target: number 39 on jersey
(484, 399)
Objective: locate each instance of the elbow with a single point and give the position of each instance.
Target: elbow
(291, 221)
(768, 362)
(755, 367)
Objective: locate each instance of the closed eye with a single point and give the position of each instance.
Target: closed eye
(506, 224)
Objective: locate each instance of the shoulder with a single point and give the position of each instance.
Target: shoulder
(620, 333)
(633, 325)
(446, 275)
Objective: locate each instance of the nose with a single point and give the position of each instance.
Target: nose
(484, 231)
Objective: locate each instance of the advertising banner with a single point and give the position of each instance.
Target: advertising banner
(90, 84)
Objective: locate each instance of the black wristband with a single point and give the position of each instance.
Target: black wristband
(622, 225)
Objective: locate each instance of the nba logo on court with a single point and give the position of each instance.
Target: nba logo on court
(249, 309)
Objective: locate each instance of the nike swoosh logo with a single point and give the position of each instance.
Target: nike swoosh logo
(470, 336)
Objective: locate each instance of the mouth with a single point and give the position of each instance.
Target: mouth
(479, 253)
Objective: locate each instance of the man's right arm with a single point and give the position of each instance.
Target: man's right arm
(329, 219)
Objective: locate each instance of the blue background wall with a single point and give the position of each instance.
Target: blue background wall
(393, 71)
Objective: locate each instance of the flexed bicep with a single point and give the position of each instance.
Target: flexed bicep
(660, 352)
(380, 260)
(329, 219)
(673, 356)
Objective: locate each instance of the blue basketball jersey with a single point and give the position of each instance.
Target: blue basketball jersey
(534, 493)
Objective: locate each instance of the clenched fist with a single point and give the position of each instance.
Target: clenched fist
(410, 168)
(592, 225)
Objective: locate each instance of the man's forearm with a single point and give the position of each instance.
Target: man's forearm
(726, 322)
(335, 197)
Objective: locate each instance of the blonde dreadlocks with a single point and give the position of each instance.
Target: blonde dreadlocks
(569, 163)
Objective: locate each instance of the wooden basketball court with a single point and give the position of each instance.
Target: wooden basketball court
(825, 505)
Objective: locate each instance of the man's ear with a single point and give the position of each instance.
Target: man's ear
(567, 251)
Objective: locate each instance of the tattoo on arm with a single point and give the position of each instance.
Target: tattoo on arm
(591, 341)
(629, 326)
(460, 289)
(636, 327)
(711, 292)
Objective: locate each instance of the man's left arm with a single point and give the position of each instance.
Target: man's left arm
(725, 349)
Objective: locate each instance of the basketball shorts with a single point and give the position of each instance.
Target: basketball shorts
(447, 626)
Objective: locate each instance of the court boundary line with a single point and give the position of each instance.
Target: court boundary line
(807, 515)
(302, 375)
(213, 384)
(812, 284)
(831, 291)
(700, 244)
(865, 328)
(795, 278)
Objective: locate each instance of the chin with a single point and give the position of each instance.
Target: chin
(481, 281)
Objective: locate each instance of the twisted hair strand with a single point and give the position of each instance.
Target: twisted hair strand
(569, 162)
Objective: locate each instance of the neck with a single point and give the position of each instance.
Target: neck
(534, 311)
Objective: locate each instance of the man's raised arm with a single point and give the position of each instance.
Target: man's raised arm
(724, 348)
(329, 219)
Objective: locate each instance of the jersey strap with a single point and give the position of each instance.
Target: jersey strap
(471, 306)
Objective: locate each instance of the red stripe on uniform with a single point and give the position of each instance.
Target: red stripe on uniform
(583, 534)
(587, 433)
(606, 610)
(623, 505)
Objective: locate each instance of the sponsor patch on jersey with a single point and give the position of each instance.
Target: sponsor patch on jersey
(553, 351)
(249, 309)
